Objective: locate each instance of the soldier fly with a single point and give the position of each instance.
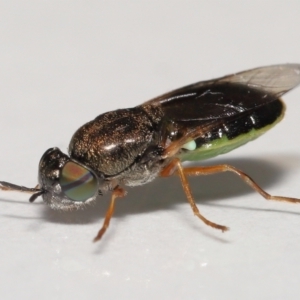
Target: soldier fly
(133, 146)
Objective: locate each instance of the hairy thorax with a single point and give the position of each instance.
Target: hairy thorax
(121, 146)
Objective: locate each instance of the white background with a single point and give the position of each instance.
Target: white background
(64, 62)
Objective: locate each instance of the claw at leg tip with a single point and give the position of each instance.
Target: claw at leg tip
(96, 239)
(225, 229)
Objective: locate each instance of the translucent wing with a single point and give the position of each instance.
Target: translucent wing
(230, 95)
(225, 108)
(276, 80)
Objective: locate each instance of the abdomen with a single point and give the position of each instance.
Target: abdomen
(233, 133)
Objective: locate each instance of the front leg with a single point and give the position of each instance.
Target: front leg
(117, 193)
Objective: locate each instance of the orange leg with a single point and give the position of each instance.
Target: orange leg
(117, 193)
(196, 171)
(175, 166)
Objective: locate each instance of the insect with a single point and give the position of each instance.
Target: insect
(130, 147)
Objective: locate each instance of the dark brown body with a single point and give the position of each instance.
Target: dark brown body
(134, 146)
(127, 146)
(121, 146)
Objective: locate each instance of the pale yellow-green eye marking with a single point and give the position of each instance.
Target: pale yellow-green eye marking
(77, 182)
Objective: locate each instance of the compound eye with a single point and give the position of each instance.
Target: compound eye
(77, 182)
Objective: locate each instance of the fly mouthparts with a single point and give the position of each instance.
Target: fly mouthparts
(7, 186)
(35, 195)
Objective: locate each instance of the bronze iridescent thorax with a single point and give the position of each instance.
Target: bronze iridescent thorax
(121, 146)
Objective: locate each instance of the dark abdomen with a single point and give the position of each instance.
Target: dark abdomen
(237, 131)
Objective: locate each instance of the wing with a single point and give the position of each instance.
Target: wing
(230, 95)
(230, 105)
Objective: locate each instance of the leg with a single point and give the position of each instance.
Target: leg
(117, 193)
(196, 171)
(175, 166)
(168, 170)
